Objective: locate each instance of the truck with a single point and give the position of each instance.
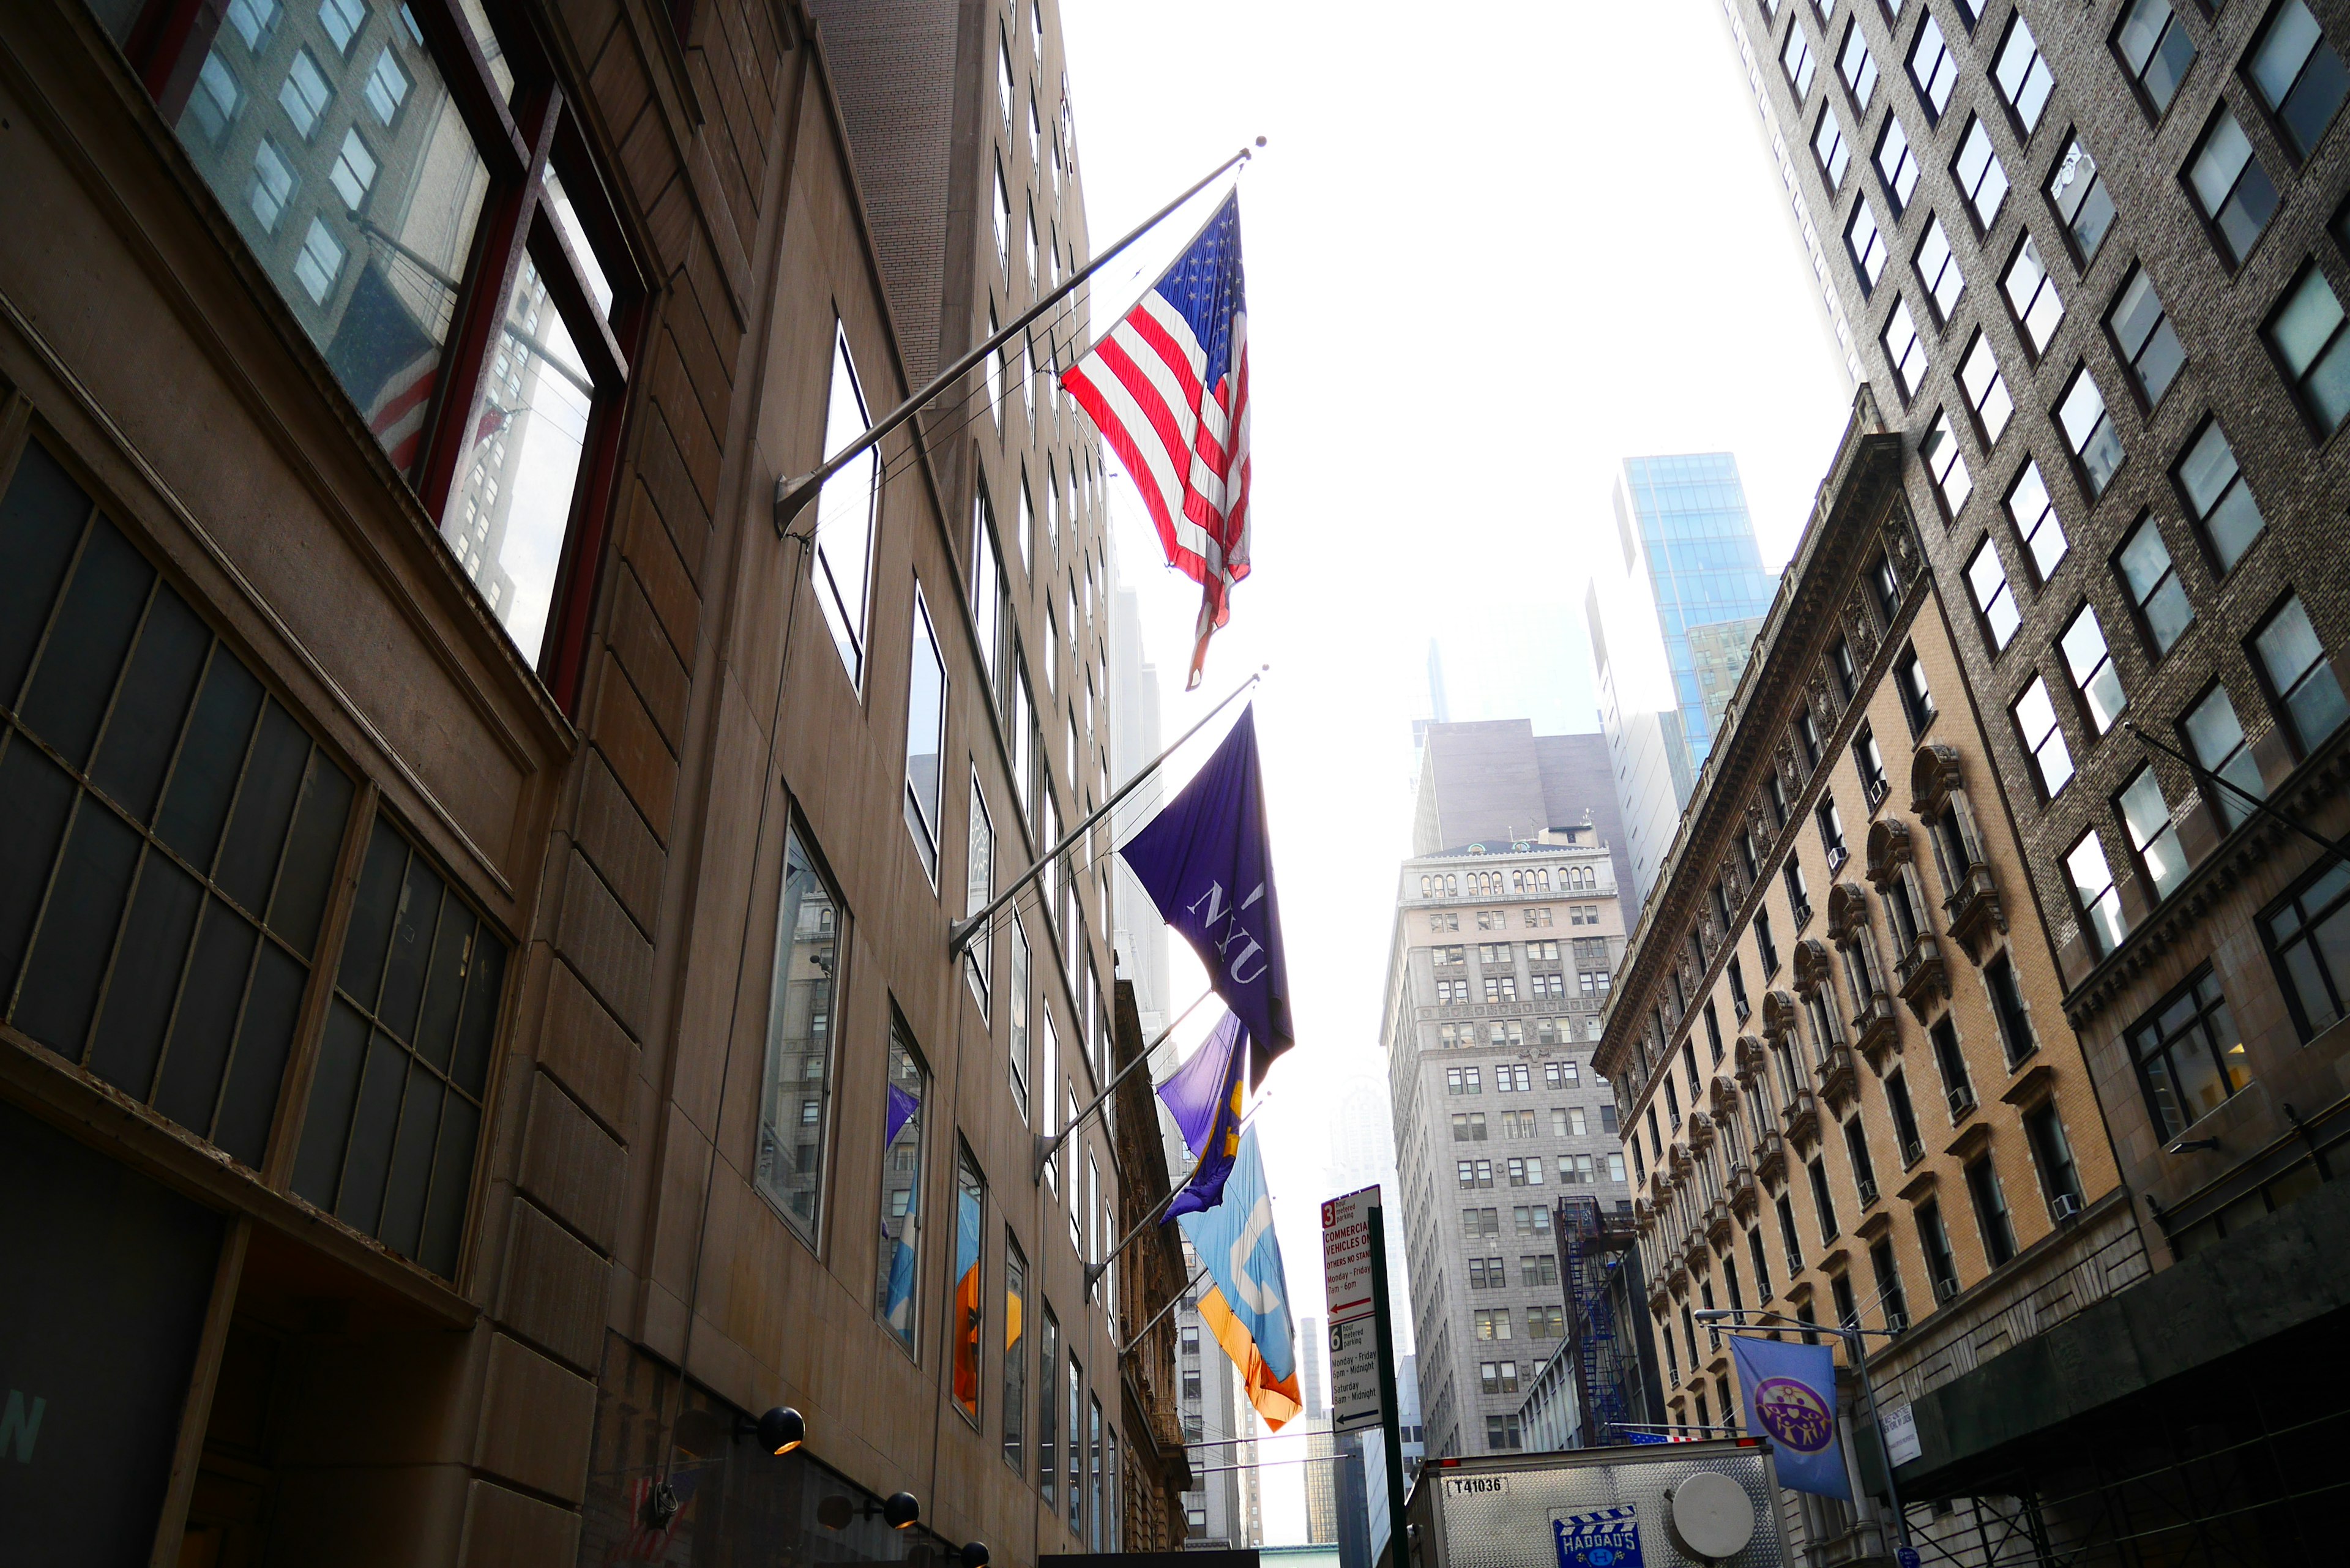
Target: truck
(1709, 1504)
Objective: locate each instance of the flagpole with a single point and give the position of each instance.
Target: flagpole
(1160, 1315)
(792, 495)
(1047, 1147)
(960, 932)
(1093, 1271)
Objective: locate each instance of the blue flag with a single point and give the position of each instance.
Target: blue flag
(1204, 1097)
(1205, 862)
(1248, 1310)
(1790, 1396)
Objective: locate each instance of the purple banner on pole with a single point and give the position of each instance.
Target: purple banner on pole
(1791, 1397)
(1205, 861)
(1204, 1097)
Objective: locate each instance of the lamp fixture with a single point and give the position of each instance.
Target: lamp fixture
(973, 1554)
(901, 1510)
(782, 1429)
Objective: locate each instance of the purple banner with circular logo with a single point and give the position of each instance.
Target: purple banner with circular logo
(1790, 1395)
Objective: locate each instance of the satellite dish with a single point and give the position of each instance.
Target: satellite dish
(1712, 1517)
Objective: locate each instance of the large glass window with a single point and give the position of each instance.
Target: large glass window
(2308, 937)
(926, 727)
(2154, 49)
(2235, 192)
(1939, 269)
(2030, 508)
(1905, 349)
(159, 801)
(2094, 893)
(2299, 75)
(902, 1185)
(844, 514)
(802, 1000)
(2217, 496)
(2146, 814)
(979, 888)
(1933, 67)
(2044, 738)
(1859, 70)
(1048, 1446)
(2022, 76)
(1994, 600)
(345, 142)
(2081, 199)
(1986, 389)
(2143, 333)
(1981, 178)
(1896, 164)
(1992, 1219)
(396, 1105)
(2091, 665)
(1795, 59)
(1865, 244)
(2163, 608)
(2190, 1057)
(1015, 1354)
(2218, 740)
(969, 1302)
(2306, 334)
(2300, 677)
(1939, 448)
(2089, 431)
(2031, 296)
(1827, 146)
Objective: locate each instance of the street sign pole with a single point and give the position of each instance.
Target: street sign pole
(1397, 1546)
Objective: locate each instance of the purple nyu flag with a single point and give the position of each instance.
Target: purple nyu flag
(1204, 1097)
(1205, 862)
(1791, 1399)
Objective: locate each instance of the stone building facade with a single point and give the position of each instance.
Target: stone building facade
(2092, 260)
(1496, 974)
(495, 998)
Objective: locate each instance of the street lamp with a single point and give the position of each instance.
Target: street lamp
(1851, 1335)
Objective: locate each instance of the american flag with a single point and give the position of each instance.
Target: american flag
(1168, 387)
(1631, 1437)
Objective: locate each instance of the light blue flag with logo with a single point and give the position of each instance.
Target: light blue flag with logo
(1248, 1312)
(1789, 1390)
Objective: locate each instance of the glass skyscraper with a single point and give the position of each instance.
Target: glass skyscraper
(1696, 544)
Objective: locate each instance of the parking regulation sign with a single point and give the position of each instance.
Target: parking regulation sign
(1346, 1278)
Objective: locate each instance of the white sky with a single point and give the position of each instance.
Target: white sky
(1484, 265)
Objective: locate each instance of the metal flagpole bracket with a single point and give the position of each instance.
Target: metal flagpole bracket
(792, 495)
(1049, 1144)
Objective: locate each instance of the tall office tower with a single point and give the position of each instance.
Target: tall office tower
(2093, 256)
(1313, 1423)
(1670, 631)
(1497, 779)
(1138, 933)
(1497, 971)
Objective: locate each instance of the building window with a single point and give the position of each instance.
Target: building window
(2092, 668)
(1940, 270)
(1905, 350)
(2146, 814)
(1986, 389)
(1904, 1117)
(1933, 67)
(845, 512)
(2235, 192)
(2007, 1008)
(1934, 1241)
(2216, 739)
(1737, 978)
(803, 1000)
(1991, 1211)
(2143, 333)
(1865, 245)
(1952, 483)
(1824, 1202)
(2300, 678)
(2089, 431)
(2190, 1057)
(1980, 177)
(926, 724)
(970, 1343)
(1896, 164)
(902, 1185)
(1763, 943)
(1916, 697)
(1958, 1086)
(1848, 679)
(2044, 738)
(2306, 335)
(2093, 894)
(1799, 898)
(1827, 146)
(2155, 50)
(2163, 608)
(2031, 296)
(1832, 836)
(1870, 763)
(1864, 1170)
(1859, 70)
(1016, 1352)
(1994, 602)
(2033, 514)
(1795, 59)
(1493, 1322)
(2218, 498)
(2023, 76)
(2308, 936)
(2299, 76)
(2081, 199)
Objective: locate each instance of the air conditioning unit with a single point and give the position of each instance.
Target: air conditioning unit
(1868, 1192)
(1912, 1152)
(1945, 1289)
(2065, 1207)
(1963, 1100)
(1897, 1322)
(1795, 1263)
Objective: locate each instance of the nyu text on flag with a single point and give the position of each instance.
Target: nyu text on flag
(1203, 1095)
(1168, 387)
(1248, 1309)
(1790, 1396)
(1206, 862)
